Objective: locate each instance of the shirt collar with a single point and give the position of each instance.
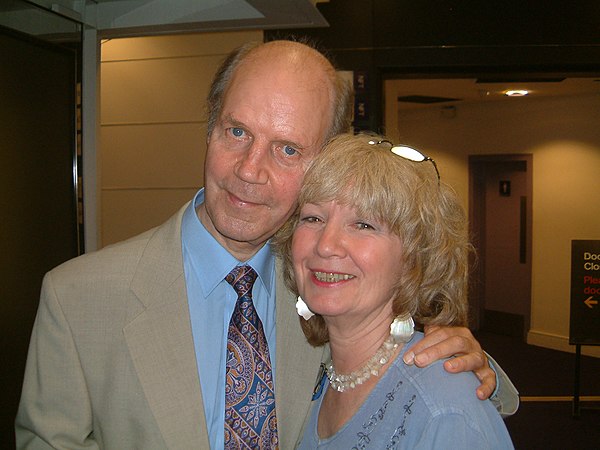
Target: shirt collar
(211, 259)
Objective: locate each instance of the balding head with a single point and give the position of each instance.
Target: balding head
(291, 56)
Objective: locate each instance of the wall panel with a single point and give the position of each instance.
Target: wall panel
(153, 125)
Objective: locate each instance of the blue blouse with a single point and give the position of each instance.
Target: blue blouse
(413, 408)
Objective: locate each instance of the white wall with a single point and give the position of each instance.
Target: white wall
(563, 134)
(153, 125)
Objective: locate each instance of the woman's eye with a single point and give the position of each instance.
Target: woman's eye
(310, 219)
(364, 226)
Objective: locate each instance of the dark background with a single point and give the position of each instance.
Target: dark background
(38, 229)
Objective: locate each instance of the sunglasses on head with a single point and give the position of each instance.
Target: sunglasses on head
(407, 152)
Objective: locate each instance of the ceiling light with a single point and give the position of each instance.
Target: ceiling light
(516, 92)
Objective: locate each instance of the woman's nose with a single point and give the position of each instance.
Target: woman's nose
(331, 242)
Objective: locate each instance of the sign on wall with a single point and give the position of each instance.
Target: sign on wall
(585, 293)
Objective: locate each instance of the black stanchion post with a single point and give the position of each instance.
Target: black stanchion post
(576, 409)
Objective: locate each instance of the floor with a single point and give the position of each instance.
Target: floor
(545, 380)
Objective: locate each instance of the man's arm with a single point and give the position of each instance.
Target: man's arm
(445, 342)
(506, 397)
(54, 412)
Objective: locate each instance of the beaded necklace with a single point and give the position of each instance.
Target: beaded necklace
(401, 330)
(342, 382)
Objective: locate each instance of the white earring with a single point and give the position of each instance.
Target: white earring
(303, 309)
(402, 328)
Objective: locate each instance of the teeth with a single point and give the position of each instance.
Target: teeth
(332, 277)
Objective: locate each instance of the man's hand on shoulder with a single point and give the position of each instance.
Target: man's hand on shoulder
(444, 342)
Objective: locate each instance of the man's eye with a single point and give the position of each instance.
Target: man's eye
(289, 150)
(237, 132)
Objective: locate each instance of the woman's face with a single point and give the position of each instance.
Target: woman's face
(345, 265)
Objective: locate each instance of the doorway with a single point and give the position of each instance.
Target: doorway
(500, 217)
(38, 194)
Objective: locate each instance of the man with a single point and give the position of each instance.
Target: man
(129, 346)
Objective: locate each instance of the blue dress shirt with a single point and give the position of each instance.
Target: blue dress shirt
(211, 302)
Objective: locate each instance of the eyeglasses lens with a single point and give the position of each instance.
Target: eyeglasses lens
(408, 153)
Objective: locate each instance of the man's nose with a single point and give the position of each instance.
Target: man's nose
(253, 166)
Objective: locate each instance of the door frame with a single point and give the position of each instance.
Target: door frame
(477, 226)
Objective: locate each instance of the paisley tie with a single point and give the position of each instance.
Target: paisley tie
(250, 420)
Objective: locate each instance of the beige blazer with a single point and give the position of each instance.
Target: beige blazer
(111, 362)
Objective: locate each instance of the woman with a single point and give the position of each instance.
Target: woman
(377, 241)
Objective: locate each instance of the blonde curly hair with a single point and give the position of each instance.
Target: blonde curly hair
(408, 197)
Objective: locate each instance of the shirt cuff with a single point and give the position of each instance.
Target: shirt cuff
(505, 397)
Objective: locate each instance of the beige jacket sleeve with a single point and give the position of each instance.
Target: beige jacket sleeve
(55, 410)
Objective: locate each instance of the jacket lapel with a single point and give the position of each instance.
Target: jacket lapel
(297, 369)
(160, 341)
(162, 349)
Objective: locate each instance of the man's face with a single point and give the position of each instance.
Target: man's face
(272, 124)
